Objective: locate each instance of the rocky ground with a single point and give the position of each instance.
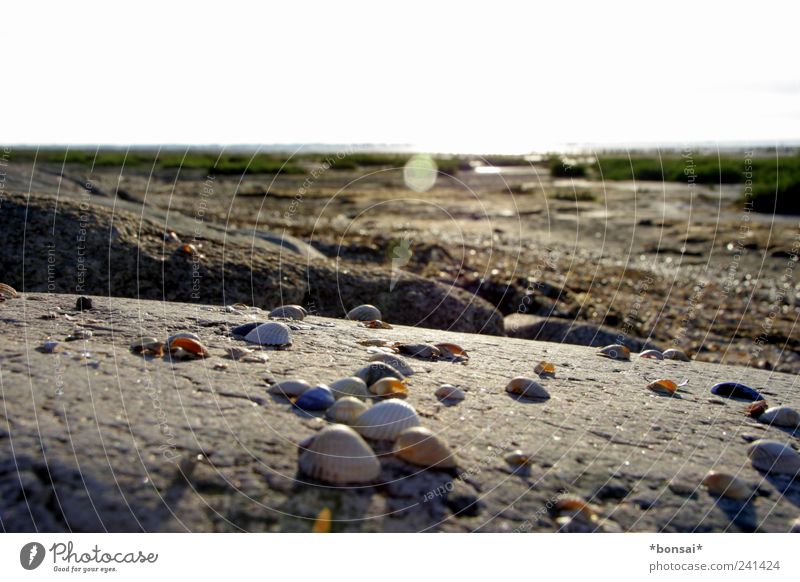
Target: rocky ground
(95, 437)
(676, 265)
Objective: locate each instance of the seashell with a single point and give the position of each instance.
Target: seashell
(652, 355)
(346, 410)
(450, 393)
(774, 457)
(364, 313)
(389, 388)
(420, 446)
(795, 526)
(725, 485)
(189, 345)
(528, 388)
(663, 386)
(781, 416)
(519, 459)
(289, 312)
(757, 408)
(183, 334)
(451, 351)
(338, 455)
(7, 292)
(244, 329)
(574, 508)
(615, 352)
(735, 390)
(395, 361)
(237, 352)
(148, 346)
(673, 354)
(423, 351)
(545, 369)
(318, 398)
(375, 371)
(289, 388)
(323, 522)
(386, 420)
(270, 334)
(351, 386)
(375, 324)
(189, 249)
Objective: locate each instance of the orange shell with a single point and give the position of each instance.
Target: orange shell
(545, 368)
(756, 409)
(192, 346)
(452, 350)
(663, 386)
(323, 522)
(389, 388)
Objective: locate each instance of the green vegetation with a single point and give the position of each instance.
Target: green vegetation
(772, 185)
(207, 162)
(706, 169)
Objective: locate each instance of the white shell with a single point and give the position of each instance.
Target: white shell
(420, 446)
(450, 392)
(528, 388)
(289, 311)
(290, 388)
(774, 457)
(615, 352)
(781, 416)
(395, 361)
(338, 455)
(364, 313)
(346, 410)
(386, 420)
(673, 354)
(272, 333)
(350, 386)
(652, 355)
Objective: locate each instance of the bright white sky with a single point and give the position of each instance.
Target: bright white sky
(450, 76)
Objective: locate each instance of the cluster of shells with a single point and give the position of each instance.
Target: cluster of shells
(180, 346)
(367, 407)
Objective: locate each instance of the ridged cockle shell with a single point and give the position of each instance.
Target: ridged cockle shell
(338, 455)
(364, 313)
(386, 420)
(272, 333)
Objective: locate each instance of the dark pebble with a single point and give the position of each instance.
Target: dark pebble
(83, 304)
(463, 504)
(611, 491)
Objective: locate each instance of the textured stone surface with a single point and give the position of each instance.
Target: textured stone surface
(96, 438)
(551, 329)
(71, 244)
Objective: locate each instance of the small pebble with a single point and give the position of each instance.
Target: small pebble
(83, 304)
